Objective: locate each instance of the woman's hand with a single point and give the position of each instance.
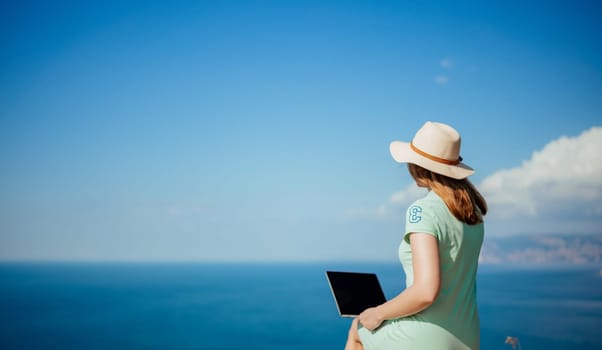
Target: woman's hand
(371, 318)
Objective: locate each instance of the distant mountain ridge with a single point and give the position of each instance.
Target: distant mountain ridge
(543, 249)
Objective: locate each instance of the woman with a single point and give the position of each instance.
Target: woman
(439, 253)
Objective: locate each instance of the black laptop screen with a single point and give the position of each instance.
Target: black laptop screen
(354, 292)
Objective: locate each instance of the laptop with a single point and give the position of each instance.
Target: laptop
(354, 292)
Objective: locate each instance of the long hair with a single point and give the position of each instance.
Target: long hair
(461, 197)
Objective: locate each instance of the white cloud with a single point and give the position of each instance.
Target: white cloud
(565, 174)
(561, 183)
(408, 195)
(379, 213)
(446, 63)
(441, 79)
(393, 209)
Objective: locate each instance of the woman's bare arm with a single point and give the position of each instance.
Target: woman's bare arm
(421, 294)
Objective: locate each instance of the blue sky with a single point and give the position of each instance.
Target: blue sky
(259, 130)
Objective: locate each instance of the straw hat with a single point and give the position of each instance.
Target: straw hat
(435, 147)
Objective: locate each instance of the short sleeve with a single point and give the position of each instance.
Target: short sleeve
(420, 218)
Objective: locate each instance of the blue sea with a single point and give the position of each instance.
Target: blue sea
(266, 306)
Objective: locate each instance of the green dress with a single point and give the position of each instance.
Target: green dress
(452, 321)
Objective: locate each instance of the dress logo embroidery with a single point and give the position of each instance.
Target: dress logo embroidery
(414, 214)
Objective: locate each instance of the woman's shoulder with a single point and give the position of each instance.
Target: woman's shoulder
(431, 205)
(431, 199)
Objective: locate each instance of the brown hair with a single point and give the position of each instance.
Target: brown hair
(461, 197)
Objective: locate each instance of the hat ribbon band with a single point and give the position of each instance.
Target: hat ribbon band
(435, 158)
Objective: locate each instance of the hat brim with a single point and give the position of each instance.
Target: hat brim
(402, 153)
